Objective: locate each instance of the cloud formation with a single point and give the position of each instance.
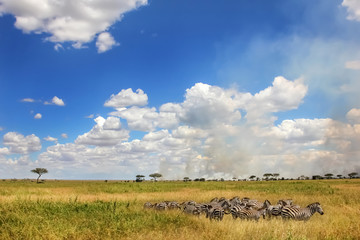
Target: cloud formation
(38, 116)
(77, 22)
(353, 9)
(214, 132)
(127, 97)
(55, 101)
(18, 143)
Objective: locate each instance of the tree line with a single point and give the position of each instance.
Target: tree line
(266, 176)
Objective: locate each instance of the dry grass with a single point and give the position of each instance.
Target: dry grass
(113, 210)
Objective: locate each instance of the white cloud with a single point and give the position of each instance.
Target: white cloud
(225, 145)
(106, 132)
(283, 95)
(30, 100)
(355, 65)
(64, 135)
(105, 42)
(51, 139)
(127, 97)
(4, 151)
(141, 119)
(77, 22)
(18, 143)
(38, 116)
(353, 9)
(353, 116)
(55, 101)
(206, 106)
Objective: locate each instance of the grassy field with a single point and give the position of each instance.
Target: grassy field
(114, 210)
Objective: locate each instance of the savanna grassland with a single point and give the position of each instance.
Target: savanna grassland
(114, 210)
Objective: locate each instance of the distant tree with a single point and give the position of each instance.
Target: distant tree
(186, 179)
(339, 175)
(353, 174)
(315, 177)
(39, 171)
(267, 175)
(252, 177)
(276, 175)
(234, 178)
(329, 175)
(140, 178)
(155, 176)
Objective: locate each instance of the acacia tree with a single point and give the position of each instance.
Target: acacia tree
(140, 178)
(353, 174)
(329, 175)
(276, 175)
(39, 171)
(252, 177)
(267, 175)
(155, 176)
(186, 179)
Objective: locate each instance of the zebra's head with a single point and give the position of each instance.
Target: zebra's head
(316, 207)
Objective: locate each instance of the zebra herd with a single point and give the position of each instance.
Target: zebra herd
(245, 208)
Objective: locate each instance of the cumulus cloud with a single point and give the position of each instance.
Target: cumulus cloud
(353, 9)
(127, 97)
(38, 116)
(206, 106)
(50, 139)
(18, 143)
(105, 42)
(220, 142)
(283, 95)
(106, 132)
(55, 101)
(353, 116)
(77, 22)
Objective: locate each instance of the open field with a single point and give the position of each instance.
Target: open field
(114, 210)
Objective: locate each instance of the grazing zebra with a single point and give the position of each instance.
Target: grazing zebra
(236, 209)
(160, 206)
(235, 201)
(251, 214)
(192, 209)
(274, 210)
(301, 214)
(148, 205)
(215, 213)
(285, 203)
(173, 205)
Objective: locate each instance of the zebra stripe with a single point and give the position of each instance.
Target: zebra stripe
(301, 214)
(160, 206)
(216, 213)
(251, 214)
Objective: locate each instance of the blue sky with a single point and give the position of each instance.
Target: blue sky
(109, 90)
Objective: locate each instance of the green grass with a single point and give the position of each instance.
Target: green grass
(113, 210)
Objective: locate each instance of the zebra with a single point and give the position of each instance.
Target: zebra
(215, 213)
(148, 205)
(236, 209)
(192, 209)
(160, 206)
(301, 214)
(251, 214)
(173, 205)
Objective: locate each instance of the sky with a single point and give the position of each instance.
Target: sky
(109, 89)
